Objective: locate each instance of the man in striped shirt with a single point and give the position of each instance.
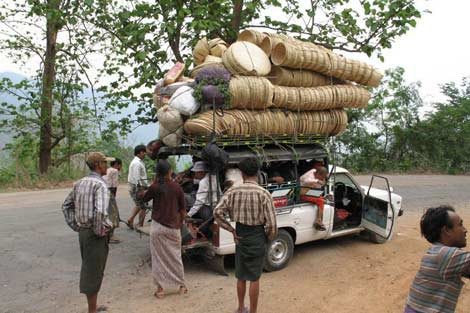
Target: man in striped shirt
(437, 285)
(85, 211)
(252, 208)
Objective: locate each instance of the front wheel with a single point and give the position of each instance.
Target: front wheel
(279, 252)
(373, 237)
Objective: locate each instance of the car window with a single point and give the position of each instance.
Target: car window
(345, 179)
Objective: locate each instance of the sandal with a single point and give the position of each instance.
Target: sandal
(319, 226)
(102, 308)
(183, 290)
(131, 226)
(159, 294)
(245, 310)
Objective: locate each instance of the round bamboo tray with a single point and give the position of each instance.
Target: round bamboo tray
(245, 58)
(325, 62)
(250, 92)
(268, 123)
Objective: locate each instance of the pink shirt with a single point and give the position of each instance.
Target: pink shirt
(308, 179)
(112, 177)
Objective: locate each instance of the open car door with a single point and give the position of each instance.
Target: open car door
(378, 214)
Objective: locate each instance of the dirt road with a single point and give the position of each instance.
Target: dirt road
(40, 262)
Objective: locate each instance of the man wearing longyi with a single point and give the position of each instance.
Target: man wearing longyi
(252, 208)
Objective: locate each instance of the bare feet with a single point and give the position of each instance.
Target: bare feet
(159, 293)
(319, 226)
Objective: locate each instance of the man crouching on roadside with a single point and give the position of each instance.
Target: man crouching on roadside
(437, 285)
(252, 208)
(85, 211)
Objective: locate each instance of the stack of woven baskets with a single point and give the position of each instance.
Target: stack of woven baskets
(284, 86)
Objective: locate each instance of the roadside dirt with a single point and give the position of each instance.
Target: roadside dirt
(40, 262)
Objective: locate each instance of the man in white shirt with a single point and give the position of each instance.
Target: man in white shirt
(202, 207)
(137, 179)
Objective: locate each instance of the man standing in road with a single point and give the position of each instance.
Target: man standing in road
(112, 180)
(437, 285)
(137, 178)
(252, 208)
(85, 210)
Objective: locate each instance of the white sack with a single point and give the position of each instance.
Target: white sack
(169, 118)
(183, 101)
(171, 139)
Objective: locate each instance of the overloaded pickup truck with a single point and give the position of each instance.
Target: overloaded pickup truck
(350, 208)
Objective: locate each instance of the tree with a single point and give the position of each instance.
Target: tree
(146, 37)
(48, 32)
(381, 134)
(443, 137)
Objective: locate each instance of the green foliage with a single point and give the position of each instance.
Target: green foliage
(222, 87)
(389, 134)
(73, 130)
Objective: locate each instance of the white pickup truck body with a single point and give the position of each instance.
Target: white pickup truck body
(298, 219)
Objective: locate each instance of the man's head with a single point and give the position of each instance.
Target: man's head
(321, 173)
(442, 224)
(199, 169)
(98, 162)
(152, 148)
(140, 151)
(117, 164)
(249, 168)
(317, 163)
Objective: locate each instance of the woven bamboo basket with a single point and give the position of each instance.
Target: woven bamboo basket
(268, 123)
(201, 51)
(209, 61)
(299, 78)
(250, 92)
(217, 47)
(324, 62)
(252, 36)
(320, 98)
(245, 58)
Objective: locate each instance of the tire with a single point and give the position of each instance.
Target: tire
(376, 238)
(279, 252)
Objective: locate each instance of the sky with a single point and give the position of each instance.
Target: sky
(435, 52)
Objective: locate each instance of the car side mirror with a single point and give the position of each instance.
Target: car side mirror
(391, 189)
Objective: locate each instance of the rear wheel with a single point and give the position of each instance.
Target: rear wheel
(279, 252)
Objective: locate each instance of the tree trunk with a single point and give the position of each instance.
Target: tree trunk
(48, 80)
(236, 20)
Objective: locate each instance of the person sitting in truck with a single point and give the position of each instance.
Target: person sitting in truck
(281, 173)
(206, 196)
(314, 179)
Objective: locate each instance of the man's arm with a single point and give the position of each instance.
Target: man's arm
(219, 214)
(454, 263)
(68, 208)
(270, 218)
(143, 175)
(181, 205)
(101, 203)
(201, 196)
